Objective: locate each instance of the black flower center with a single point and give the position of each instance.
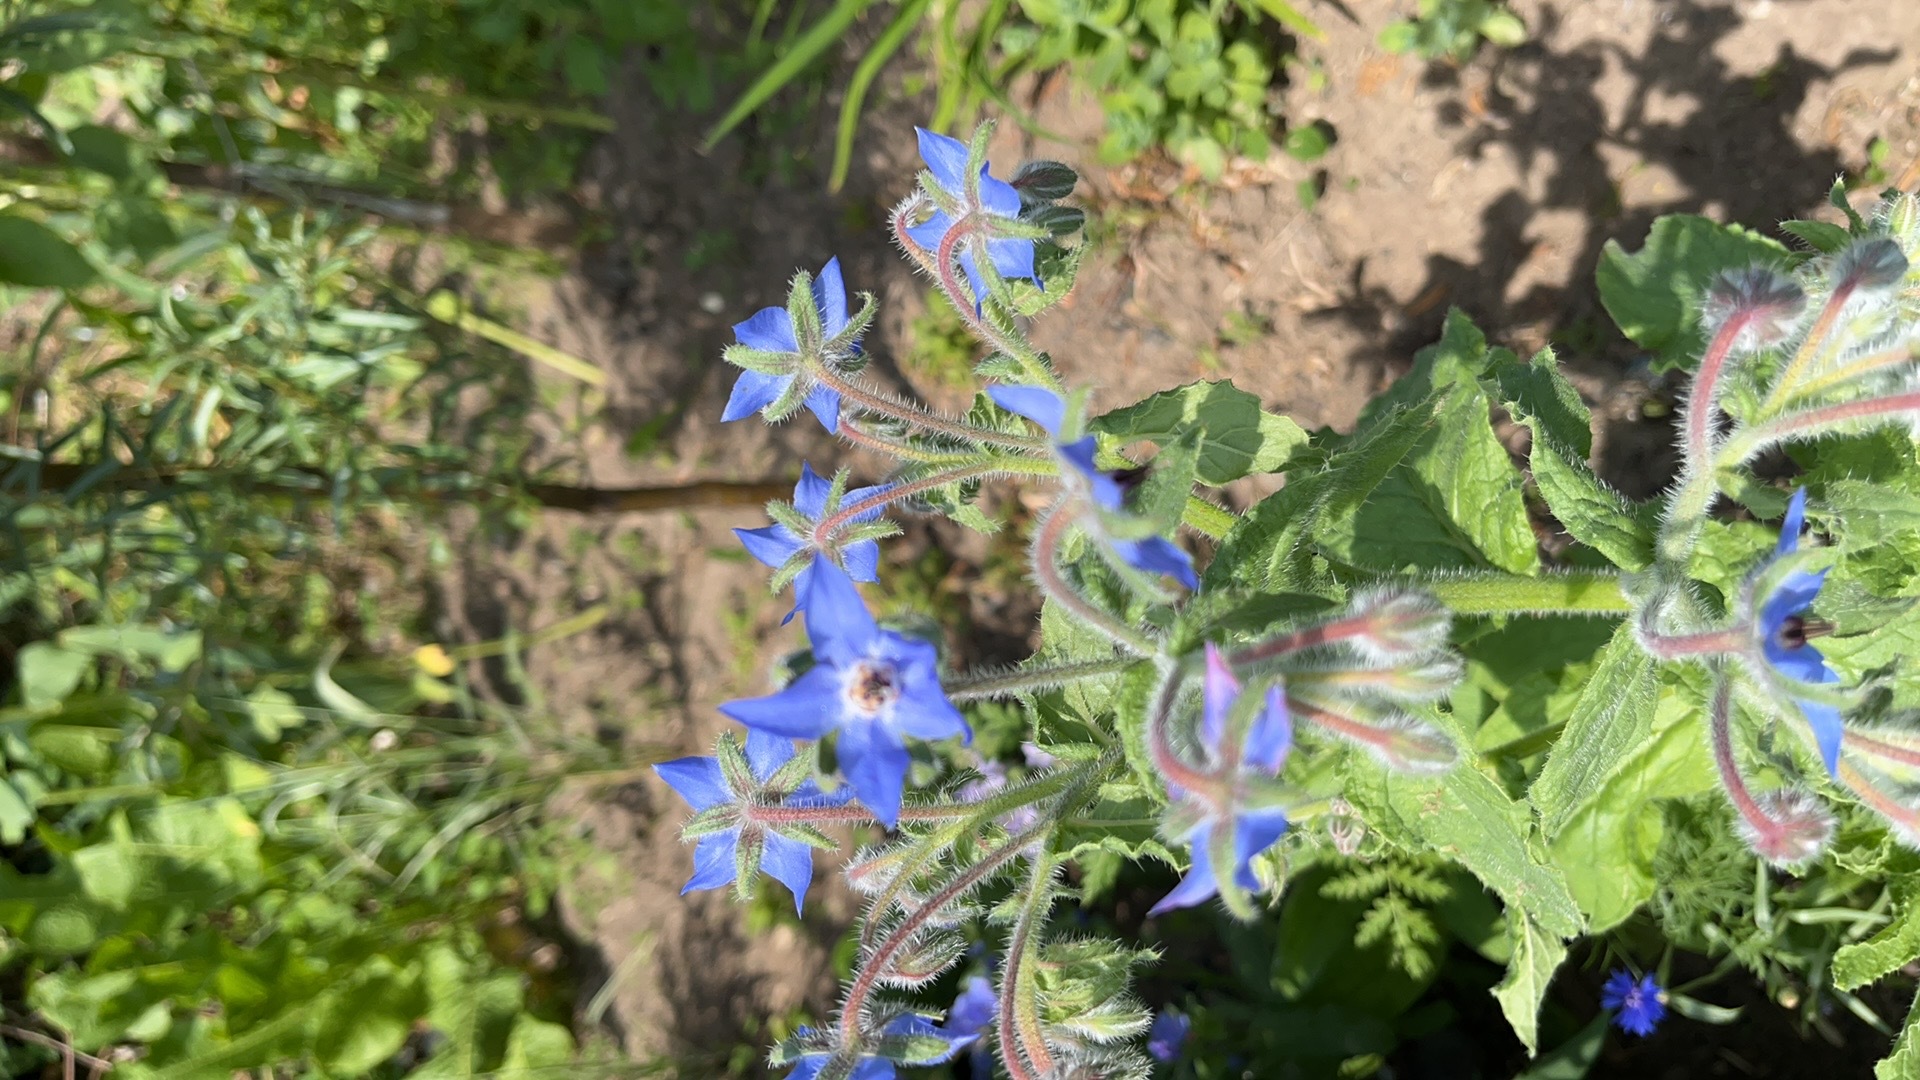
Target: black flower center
(1795, 630)
(1129, 479)
(873, 687)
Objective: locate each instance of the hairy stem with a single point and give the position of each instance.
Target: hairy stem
(1894, 752)
(1160, 743)
(1046, 570)
(1886, 805)
(868, 440)
(1207, 519)
(1813, 345)
(1865, 365)
(1703, 401)
(825, 529)
(853, 814)
(913, 415)
(1021, 1042)
(888, 947)
(1720, 727)
(1340, 629)
(979, 813)
(1687, 507)
(984, 686)
(1744, 444)
(946, 266)
(1671, 648)
(1582, 592)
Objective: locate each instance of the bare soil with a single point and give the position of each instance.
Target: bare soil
(1492, 187)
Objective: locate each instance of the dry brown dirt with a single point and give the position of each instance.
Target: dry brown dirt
(1491, 187)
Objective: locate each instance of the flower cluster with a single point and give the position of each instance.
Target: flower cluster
(1205, 707)
(872, 700)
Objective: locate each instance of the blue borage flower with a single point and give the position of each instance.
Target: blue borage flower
(1167, 1036)
(972, 1013)
(904, 1040)
(770, 334)
(730, 794)
(1227, 816)
(946, 159)
(1782, 629)
(1153, 554)
(873, 686)
(789, 545)
(1637, 1005)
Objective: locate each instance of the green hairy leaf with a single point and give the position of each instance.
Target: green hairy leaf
(1271, 549)
(1237, 437)
(1654, 293)
(1536, 956)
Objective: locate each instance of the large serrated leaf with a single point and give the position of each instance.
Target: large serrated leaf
(1536, 394)
(1607, 847)
(1904, 1062)
(1590, 511)
(1613, 719)
(1654, 294)
(1465, 816)
(1238, 437)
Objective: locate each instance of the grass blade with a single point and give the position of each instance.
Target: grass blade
(804, 52)
(1289, 16)
(889, 43)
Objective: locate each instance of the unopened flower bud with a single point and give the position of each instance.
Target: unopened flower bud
(1796, 827)
(1044, 181)
(1872, 264)
(1398, 626)
(1766, 302)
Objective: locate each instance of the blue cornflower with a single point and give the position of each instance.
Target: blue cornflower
(904, 1040)
(1637, 1005)
(1153, 554)
(738, 797)
(770, 331)
(946, 159)
(1224, 808)
(871, 685)
(1783, 630)
(789, 547)
(1167, 1035)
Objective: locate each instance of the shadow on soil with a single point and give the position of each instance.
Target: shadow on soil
(1733, 154)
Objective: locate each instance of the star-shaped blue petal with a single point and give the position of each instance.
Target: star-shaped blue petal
(1155, 554)
(1227, 829)
(873, 1067)
(704, 784)
(771, 330)
(1167, 1035)
(875, 687)
(774, 545)
(946, 159)
(1783, 641)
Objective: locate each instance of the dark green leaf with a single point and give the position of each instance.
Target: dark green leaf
(33, 255)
